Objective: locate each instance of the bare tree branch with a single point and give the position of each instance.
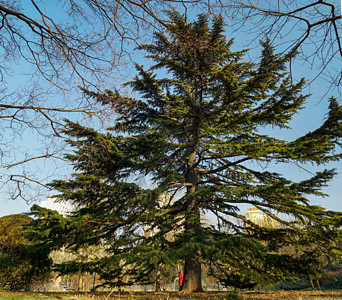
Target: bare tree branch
(49, 49)
(296, 25)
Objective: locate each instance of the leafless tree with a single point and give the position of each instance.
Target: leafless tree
(312, 28)
(60, 46)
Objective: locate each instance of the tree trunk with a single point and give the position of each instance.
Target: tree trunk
(79, 284)
(157, 287)
(192, 276)
(192, 282)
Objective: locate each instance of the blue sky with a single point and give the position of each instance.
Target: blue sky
(308, 119)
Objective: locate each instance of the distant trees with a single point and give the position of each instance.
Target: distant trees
(198, 135)
(22, 261)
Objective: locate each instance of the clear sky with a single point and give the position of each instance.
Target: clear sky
(308, 119)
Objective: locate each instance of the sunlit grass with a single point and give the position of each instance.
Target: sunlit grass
(25, 296)
(255, 295)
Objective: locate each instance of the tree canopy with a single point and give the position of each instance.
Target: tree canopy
(199, 136)
(50, 48)
(22, 261)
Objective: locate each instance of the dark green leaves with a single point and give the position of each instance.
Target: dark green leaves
(195, 137)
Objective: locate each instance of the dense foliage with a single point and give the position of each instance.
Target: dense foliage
(22, 261)
(198, 138)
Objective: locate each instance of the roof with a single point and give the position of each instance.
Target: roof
(253, 209)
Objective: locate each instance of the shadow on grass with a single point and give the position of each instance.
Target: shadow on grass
(117, 295)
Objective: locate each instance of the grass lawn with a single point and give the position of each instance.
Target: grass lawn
(26, 296)
(295, 295)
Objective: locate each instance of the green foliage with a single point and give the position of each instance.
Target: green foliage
(333, 281)
(197, 137)
(299, 284)
(21, 259)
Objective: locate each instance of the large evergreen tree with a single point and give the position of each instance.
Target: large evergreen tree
(198, 138)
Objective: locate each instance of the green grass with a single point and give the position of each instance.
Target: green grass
(25, 296)
(250, 295)
(87, 296)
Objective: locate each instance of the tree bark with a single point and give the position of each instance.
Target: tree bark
(157, 287)
(192, 281)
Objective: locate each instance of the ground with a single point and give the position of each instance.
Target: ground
(288, 295)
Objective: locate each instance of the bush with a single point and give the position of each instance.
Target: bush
(22, 261)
